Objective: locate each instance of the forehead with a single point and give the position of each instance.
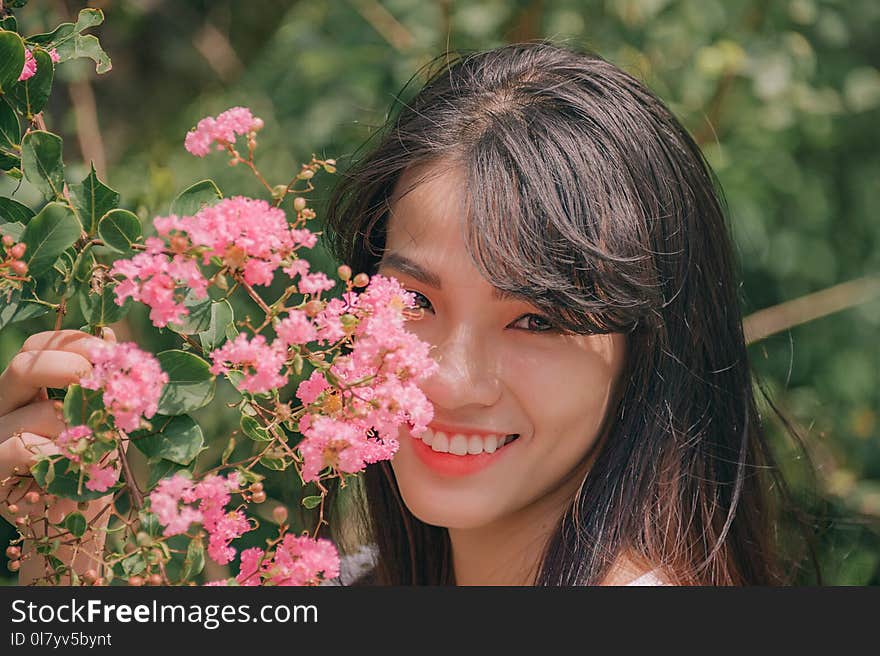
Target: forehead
(427, 212)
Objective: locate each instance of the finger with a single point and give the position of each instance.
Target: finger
(30, 370)
(75, 341)
(108, 334)
(43, 418)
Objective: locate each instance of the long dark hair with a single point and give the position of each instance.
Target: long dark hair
(588, 198)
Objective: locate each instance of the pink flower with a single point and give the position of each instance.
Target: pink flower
(30, 66)
(309, 389)
(153, 278)
(132, 381)
(101, 478)
(69, 441)
(248, 235)
(296, 561)
(53, 54)
(312, 283)
(296, 328)
(258, 361)
(221, 131)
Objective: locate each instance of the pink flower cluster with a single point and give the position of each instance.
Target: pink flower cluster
(221, 131)
(396, 359)
(247, 234)
(30, 64)
(153, 278)
(212, 494)
(259, 361)
(295, 561)
(131, 379)
(73, 442)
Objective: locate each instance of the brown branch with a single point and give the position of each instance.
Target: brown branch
(769, 321)
(388, 27)
(215, 47)
(88, 131)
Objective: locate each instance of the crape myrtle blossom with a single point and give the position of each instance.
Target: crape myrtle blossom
(295, 561)
(246, 234)
(153, 278)
(258, 361)
(131, 380)
(221, 131)
(75, 440)
(30, 63)
(213, 495)
(391, 361)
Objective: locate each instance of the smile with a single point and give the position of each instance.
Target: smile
(458, 455)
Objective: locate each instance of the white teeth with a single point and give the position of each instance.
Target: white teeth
(441, 442)
(462, 445)
(458, 445)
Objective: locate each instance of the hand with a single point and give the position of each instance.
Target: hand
(29, 422)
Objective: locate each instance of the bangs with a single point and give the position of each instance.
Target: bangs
(557, 225)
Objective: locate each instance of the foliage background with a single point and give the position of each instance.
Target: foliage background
(783, 96)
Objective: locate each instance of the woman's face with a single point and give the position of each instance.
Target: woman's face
(500, 371)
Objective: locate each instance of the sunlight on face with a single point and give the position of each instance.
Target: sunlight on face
(499, 370)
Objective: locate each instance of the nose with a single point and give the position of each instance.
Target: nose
(467, 373)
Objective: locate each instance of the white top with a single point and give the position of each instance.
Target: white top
(354, 565)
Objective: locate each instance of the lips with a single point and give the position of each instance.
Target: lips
(466, 459)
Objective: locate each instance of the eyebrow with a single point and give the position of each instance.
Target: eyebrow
(415, 270)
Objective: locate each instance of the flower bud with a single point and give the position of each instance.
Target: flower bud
(32, 497)
(21, 521)
(13, 508)
(136, 581)
(308, 174)
(20, 267)
(155, 579)
(90, 576)
(343, 271)
(299, 204)
(279, 514)
(13, 552)
(258, 497)
(8, 240)
(313, 307)
(361, 280)
(14, 565)
(17, 251)
(256, 487)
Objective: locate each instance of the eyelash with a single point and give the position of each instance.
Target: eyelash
(550, 327)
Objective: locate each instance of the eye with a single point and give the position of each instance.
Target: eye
(534, 322)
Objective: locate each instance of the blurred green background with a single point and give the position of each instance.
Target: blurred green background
(783, 97)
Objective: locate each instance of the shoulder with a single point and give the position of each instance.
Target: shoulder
(631, 571)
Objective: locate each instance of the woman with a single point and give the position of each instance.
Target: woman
(594, 414)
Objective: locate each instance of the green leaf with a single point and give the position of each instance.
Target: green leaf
(190, 382)
(31, 94)
(119, 229)
(194, 562)
(9, 307)
(100, 309)
(227, 451)
(11, 59)
(9, 23)
(149, 523)
(221, 321)
(194, 198)
(14, 230)
(92, 199)
(165, 468)
(80, 405)
(178, 439)
(277, 464)
(199, 317)
(41, 162)
(252, 428)
(134, 564)
(12, 211)
(75, 523)
(70, 43)
(65, 481)
(10, 128)
(48, 235)
(311, 502)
